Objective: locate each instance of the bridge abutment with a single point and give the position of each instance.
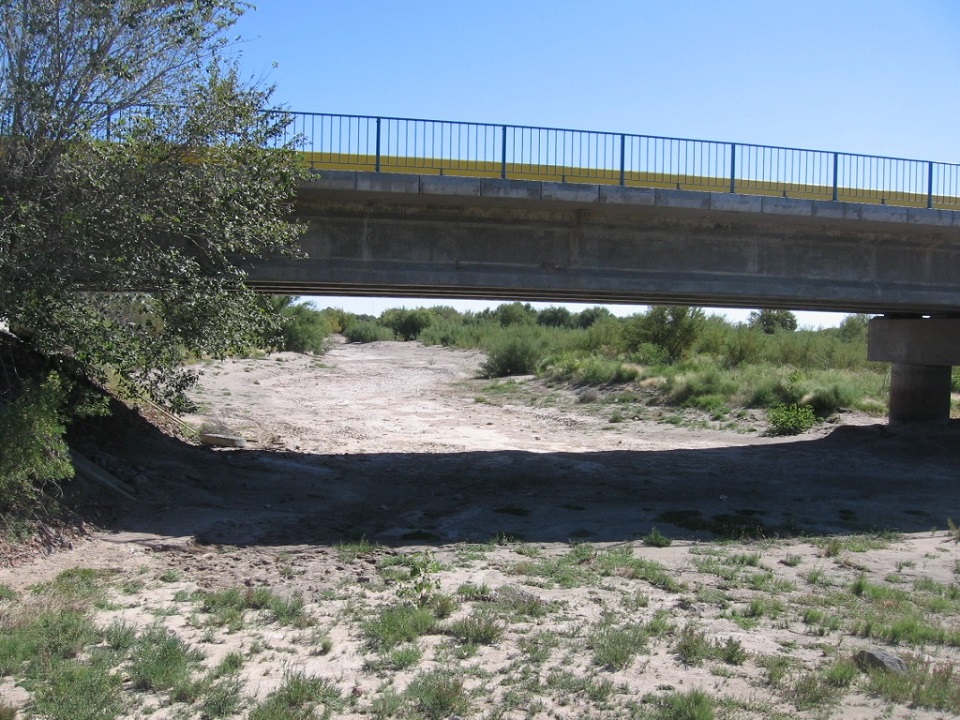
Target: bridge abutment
(922, 352)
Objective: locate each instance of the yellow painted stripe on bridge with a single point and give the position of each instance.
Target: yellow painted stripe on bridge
(552, 173)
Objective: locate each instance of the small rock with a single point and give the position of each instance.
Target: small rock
(879, 660)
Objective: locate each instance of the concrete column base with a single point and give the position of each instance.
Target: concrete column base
(919, 393)
(922, 351)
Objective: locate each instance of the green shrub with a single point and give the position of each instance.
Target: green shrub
(648, 353)
(398, 624)
(773, 390)
(853, 328)
(465, 332)
(515, 314)
(742, 346)
(366, 331)
(655, 538)
(438, 695)
(691, 705)
(588, 370)
(708, 381)
(555, 317)
(676, 329)
(790, 419)
(512, 355)
(605, 336)
(161, 661)
(591, 316)
(616, 646)
(476, 629)
(303, 329)
(297, 698)
(32, 448)
(825, 401)
(407, 324)
(773, 321)
(79, 691)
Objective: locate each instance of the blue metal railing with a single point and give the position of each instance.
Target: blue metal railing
(418, 145)
(518, 151)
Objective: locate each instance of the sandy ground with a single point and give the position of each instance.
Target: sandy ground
(403, 447)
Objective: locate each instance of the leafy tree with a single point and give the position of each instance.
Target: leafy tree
(588, 317)
(772, 321)
(555, 317)
(854, 327)
(135, 168)
(407, 324)
(32, 428)
(515, 313)
(674, 328)
(303, 328)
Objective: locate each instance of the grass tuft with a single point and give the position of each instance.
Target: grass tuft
(438, 695)
(398, 624)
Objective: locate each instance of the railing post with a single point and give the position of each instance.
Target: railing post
(378, 144)
(836, 172)
(623, 159)
(503, 153)
(733, 167)
(929, 184)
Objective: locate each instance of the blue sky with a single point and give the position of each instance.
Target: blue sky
(877, 77)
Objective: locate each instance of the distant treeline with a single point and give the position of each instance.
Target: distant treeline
(680, 354)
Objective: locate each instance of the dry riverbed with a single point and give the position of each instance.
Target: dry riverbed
(400, 539)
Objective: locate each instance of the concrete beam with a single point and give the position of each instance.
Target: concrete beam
(914, 341)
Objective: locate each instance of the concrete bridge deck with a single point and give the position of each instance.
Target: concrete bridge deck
(444, 236)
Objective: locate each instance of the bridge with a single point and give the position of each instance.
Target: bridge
(422, 208)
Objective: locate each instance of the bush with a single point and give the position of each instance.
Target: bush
(708, 381)
(790, 419)
(303, 329)
(366, 331)
(691, 705)
(676, 329)
(589, 317)
(512, 355)
(407, 324)
(772, 321)
(589, 370)
(655, 538)
(649, 354)
(825, 401)
(555, 317)
(604, 335)
(772, 390)
(515, 314)
(853, 328)
(32, 448)
(438, 695)
(742, 346)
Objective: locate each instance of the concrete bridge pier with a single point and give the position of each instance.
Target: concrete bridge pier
(922, 352)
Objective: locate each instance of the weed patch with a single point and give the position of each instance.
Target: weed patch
(398, 624)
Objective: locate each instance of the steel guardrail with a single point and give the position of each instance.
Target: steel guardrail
(391, 144)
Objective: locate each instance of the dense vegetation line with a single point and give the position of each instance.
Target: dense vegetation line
(675, 356)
